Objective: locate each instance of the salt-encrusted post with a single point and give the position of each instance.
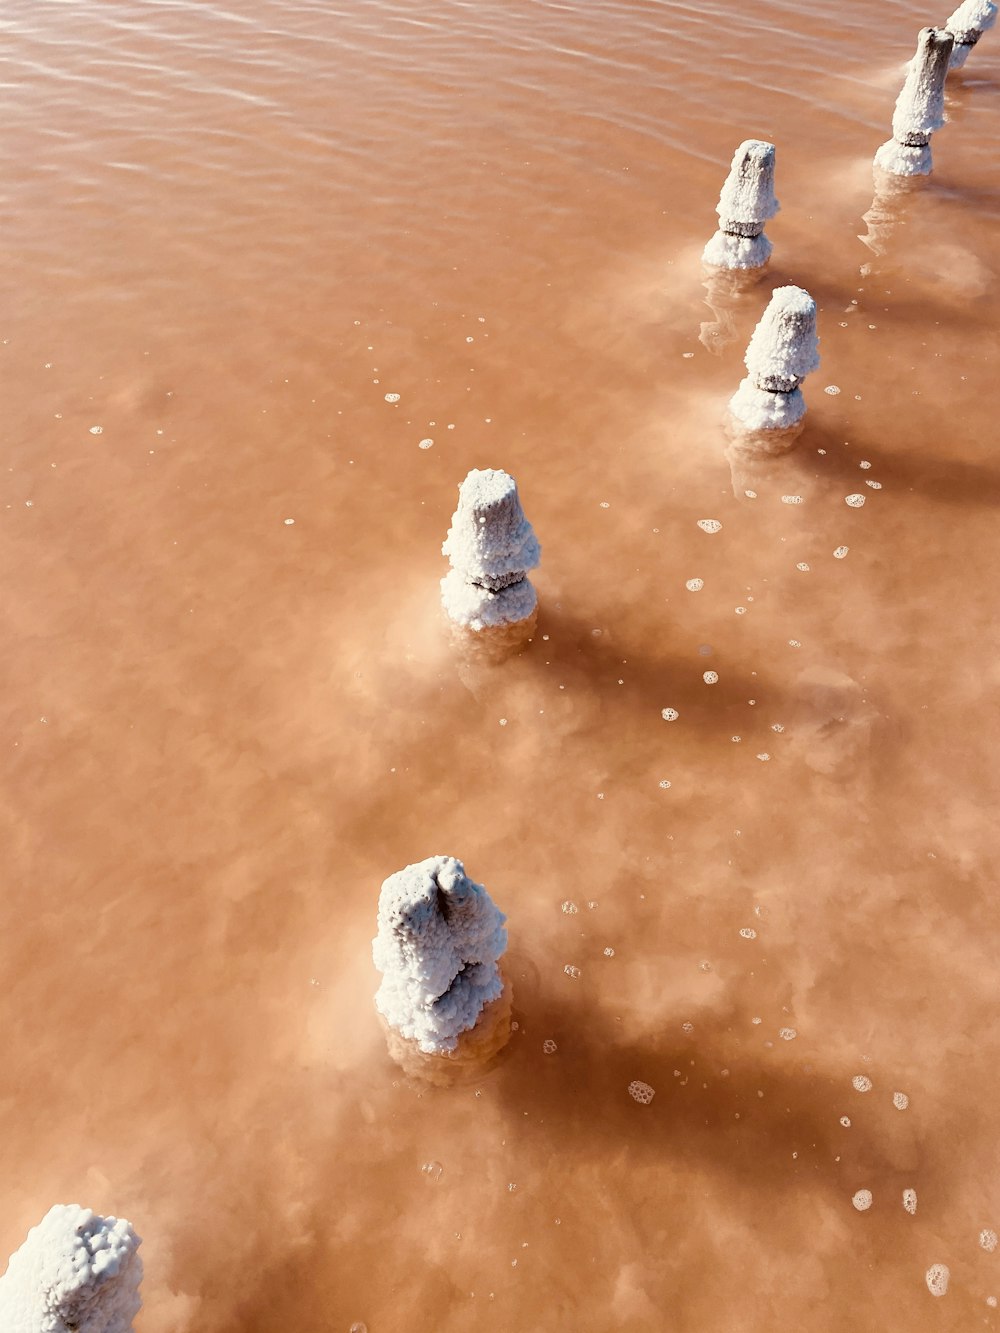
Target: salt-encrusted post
(919, 107)
(439, 942)
(782, 352)
(75, 1271)
(745, 205)
(491, 547)
(968, 23)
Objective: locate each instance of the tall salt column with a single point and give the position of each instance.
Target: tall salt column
(75, 1271)
(781, 354)
(968, 23)
(440, 938)
(491, 547)
(919, 107)
(745, 205)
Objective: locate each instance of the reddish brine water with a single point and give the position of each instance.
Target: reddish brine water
(233, 234)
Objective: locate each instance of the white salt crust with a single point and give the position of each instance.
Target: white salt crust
(968, 23)
(782, 351)
(439, 940)
(919, 107)
(491, 547)
(746, 203)
(75, 1271)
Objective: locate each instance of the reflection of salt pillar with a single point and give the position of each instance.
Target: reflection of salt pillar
(968, 23)
(781, 354)
(746, 203)
(75, 1271)
(440, 938)
(919, 107)
(491, 547)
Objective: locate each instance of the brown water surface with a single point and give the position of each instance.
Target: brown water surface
(229, 708)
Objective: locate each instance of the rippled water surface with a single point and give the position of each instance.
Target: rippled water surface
(229, 709)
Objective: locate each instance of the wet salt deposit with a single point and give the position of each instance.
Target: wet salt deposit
(279, 276)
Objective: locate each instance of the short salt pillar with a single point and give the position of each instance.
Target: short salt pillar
(745, 205)
(968, 23)
(487, 594)
(443, 998)
(919, 107)
(76, 1271)
(782, 352)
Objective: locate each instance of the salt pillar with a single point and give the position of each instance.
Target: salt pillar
(76, 1271)
(919, 107)
(968, 23)
(781, 354)
(491, 547)
(439, 942)
(745, 205)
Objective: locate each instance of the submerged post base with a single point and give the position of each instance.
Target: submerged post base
(725, 250)
(474, 1051)
(492, 644)
(904, 159)
(764, 410)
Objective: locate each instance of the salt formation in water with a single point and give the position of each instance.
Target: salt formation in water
(781, 354)
(919, 107)
(491, 547)
(968, 23)
(439, 941)
(76, 1271)
(747, 202)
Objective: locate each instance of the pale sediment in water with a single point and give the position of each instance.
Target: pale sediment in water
(492, 644)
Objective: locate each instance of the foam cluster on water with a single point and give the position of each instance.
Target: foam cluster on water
(967, 25)
(440, 937)
(782, 352)
(491, 547)
(76, 1271)
(919, 107)
(745, 205)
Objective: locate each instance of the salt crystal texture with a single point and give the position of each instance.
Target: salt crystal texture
(439, 940)
(937, 1277)
(75, 1271)
(745, 205)
(968, 23)
(782, 352)
(919, 107)
(491, 547)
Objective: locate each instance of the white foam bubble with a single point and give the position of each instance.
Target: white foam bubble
(900, 1101)
(748, 933)
(864, 464)
(788, 1034)
(609, 952)
(549, 1046)
(910, 1201)
(665, 784)
(991, 1301)
(862, 1200)
(803, 566)
(845, 1121)
(937, 1278)
(751, 495)
(855, 501)
(97, 430)
(875, 485)
(425, 444)
(570, 908)
(392, 398)
(988, 1240)
(641, 1092)
(792, 500)
(841, 551)
(711, 677)
(764, 757)
(861, 1083)
(832, 390)
(432, 1169)
(695, 585)
(670, 715)
(709, 525)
